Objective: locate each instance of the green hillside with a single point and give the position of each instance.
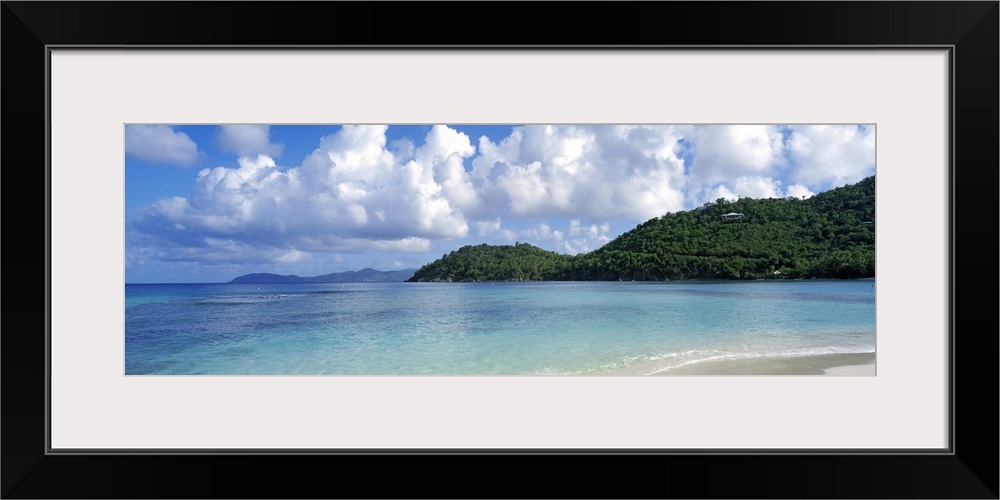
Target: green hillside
(519, 262)
(831, 235)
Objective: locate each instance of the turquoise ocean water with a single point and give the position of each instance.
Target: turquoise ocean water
(551, 328)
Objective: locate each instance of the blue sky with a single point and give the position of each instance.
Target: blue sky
(207, 203)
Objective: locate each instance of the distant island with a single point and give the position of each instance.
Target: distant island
(830, 235)
(366, 275)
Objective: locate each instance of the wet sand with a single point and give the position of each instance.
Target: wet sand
(852, 364)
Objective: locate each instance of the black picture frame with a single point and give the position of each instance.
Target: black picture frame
(969, 470)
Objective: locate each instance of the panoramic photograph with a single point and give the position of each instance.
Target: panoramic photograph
(500, 250)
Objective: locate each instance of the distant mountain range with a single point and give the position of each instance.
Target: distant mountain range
(367, 275)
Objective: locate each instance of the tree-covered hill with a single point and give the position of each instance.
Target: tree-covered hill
(831, 235)
(518, 262)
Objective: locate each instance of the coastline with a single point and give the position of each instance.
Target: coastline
(840, 364)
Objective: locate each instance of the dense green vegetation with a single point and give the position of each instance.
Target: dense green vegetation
(519, 262)
(830, 235)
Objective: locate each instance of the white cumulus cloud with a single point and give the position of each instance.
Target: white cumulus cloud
(586, 238)
(248, 140)
(754, 187)
(349, 195)
(725, 152)
(758, 160)
(799, 191)
(357, 192)
(828, 156)
(493, 231)
(160, 144)
(598, 172)
(572, 239)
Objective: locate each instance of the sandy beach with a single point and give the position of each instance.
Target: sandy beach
(852, 364)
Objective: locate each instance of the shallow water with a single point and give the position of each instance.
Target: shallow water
(557, 328)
